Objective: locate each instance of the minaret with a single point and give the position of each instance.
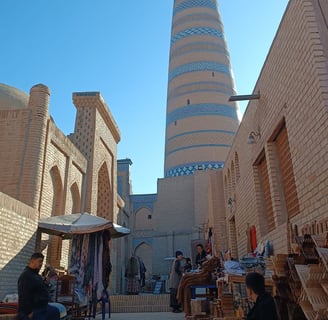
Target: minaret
(200, 121)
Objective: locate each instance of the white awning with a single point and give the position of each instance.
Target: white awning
(68, 225)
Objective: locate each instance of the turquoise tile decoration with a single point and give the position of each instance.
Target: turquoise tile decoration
(202, 109)
(196, 31)
(190, 4)
(188, 169)
(200, 66)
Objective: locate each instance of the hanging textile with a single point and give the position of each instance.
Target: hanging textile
(253, 238)
(209, 244)
(88, 263)
(249, 239)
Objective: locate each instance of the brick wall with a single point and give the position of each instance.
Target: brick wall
(293, 85)
(19, 224)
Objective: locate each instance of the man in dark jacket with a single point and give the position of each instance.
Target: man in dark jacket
(33, 295)
(264, 307)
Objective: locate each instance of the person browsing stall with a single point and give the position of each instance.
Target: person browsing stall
(174, 281)
(188, 266)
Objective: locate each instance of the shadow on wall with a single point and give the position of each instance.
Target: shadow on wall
(10, 272)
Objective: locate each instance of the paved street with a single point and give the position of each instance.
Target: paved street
(145, 316)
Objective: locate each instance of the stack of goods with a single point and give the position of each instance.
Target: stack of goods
(268, 267)
(197, 307)
(216, 309)
(302, 279)
(280, 265)
(227, 305)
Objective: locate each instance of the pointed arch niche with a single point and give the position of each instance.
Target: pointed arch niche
(105, 194)
(54, 253)
(76, 198)
(237, 169)
(143, 219)
(145, 252)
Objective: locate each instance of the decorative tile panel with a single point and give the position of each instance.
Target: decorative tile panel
(196, 17)
(194, 87)
(193, 47)
(201, 131)
(196, 31)
(191, 4)
(190, 168)
(203, 109)
(196, 146)
(200, 66)
(143, 201)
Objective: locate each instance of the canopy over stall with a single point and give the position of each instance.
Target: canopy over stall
(68, 225)
(90, 253)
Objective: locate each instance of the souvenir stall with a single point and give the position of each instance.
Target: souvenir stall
(90, 264)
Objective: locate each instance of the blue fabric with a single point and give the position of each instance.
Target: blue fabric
(61, 308)
(47, 313)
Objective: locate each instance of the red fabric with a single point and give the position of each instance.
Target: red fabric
(8, 307)
(253, 238)
(209, 246)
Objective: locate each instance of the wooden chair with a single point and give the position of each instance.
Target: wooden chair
(66, 295)
(65, 291)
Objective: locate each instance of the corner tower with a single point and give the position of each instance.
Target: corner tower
(200, 121)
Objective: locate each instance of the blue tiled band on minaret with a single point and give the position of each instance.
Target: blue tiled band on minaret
(199, 47)
(197, 146)
(190, 4)
(199, 66)
(200, 131)
(204, 86)
(190, 168)
(204, 17)
(196, 31)
(204, 109)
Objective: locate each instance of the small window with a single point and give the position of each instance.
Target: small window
(149, 216)
(175, 122)
(213, 74)
(188, 101)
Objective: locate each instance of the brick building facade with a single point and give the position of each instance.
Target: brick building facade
(278, 183)
(44, 173)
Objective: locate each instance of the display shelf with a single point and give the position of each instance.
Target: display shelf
(307, 247)
(324, 286)
(323, 254)
(312, 289)
(308, 310)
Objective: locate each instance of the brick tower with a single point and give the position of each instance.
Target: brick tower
(200, 121)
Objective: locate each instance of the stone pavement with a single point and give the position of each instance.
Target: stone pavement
(144, 316)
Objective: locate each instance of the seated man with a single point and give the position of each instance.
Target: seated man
(231, 265)
(33, 294)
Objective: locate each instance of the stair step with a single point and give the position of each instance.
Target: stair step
(140, 303)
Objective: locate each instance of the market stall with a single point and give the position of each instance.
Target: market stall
(90, 253)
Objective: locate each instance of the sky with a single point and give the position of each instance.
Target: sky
(121, 49)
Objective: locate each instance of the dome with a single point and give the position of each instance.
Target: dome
(12, 98)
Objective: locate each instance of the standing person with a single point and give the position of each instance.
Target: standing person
(188, 266)
(132, 272)
(201, 255)
(33, 294)
(175, 277)
(264, 307)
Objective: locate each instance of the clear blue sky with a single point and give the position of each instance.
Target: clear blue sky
(121, 49)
